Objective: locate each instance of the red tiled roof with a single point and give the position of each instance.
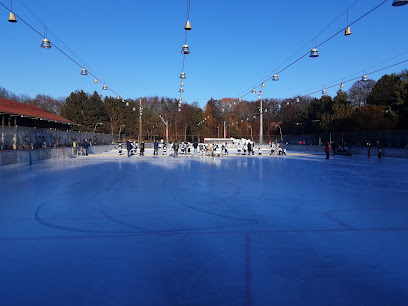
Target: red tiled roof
(17, 108)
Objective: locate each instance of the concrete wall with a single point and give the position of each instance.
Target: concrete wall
(25, 156)
(386, 152)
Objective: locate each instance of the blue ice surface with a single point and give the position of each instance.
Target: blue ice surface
(236, 230)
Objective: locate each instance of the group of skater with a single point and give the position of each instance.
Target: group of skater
(242, 146)
(332, 146)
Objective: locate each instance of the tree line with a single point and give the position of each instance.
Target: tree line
(367, 105)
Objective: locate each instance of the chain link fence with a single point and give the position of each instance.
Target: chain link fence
(18, 138)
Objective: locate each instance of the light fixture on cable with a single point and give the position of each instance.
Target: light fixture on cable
(181, 84)
(84, 72)
(347, 31)
(181, 90)
(105, 87)
(96, 80)
(275, 77)
(263, 85)
(46, 44)
(188, 26)
(185, 49)
(12, 17)
(341, 85)
(364, 78)
(118, 97)
(253, 91)
(324, 91)
(182, 75)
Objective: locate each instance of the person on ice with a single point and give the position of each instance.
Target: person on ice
(129, 147)
(156, 148)
(327, 150)
(175, 148)
(142, 147)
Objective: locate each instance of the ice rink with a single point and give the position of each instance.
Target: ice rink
(235, 230)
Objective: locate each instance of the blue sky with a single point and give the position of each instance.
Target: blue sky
(135, 46)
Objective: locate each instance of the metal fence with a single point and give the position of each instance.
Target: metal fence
(18, 137)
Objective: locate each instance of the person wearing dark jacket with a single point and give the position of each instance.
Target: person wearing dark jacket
(156, 148)
(129, 147)
(327, 150)
(142, 145)
(85, 145)
(249, 148)
(175, 148)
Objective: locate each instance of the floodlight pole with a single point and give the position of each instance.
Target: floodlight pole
(260, 119)
(166, 123)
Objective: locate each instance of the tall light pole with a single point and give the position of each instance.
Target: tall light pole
(260, 119)
(218, 131)
(140, 120)
(166, 123)
(99, 123)
(250, 127)
(120, 130)
(280, 130)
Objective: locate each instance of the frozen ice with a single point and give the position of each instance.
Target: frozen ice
(194, 230)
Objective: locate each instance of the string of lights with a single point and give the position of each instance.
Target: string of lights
(314, 51)
(184, 51)
(46, 44)
(307, 44)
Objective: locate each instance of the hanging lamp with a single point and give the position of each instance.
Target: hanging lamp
(181, 90)
(364, 78)
(105, 87)
(185, 49)
(12, 17)
(253, 91)
(188, 26)
(399, 2)
(181, 84)
(84, 72)
(347, 31)
(275, 77)
(341, 85)
(118, 97)
(263, 85)
(314, 53)
(182, 75)
(96, 80)
(46, 44)
(297, 100)
(324, 91)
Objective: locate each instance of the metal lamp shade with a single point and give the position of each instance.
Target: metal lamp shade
(275, 77)
(324, 91)
(105, 87)
(46, 44)
(181, 84)
(96, 80)
(182, 75)
(314, 53)
(347, 31)
(364, 78)
(185, 49)
(12, 17)
(84, 72)
(341, 85)
(263, 85)
(188, 26)
(181, 89)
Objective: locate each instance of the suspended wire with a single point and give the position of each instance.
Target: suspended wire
(325, 41)
(89, 69)
(337, 18)
(54, 45)
(357, 73)
(353, 79)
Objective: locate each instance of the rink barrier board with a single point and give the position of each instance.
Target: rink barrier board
(31, 156)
